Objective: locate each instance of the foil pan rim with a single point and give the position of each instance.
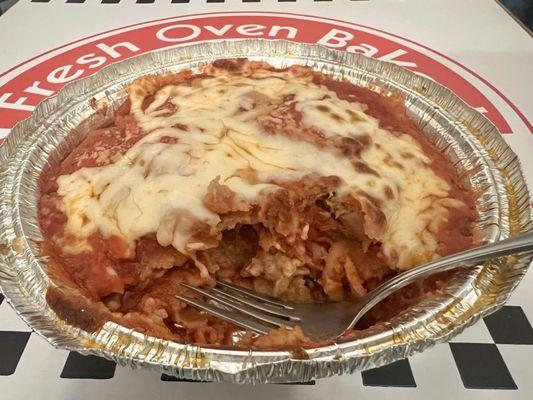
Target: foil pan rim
(253, 366)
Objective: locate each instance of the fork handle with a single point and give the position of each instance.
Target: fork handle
(518, 244)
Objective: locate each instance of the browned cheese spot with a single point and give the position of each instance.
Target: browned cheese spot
(389, 194)
(352, 146)
(407, 155)
(233, 65)
(168, 140)
(181, 127)
(392, 163)
(336, 117)
(169, 107)
(364, 168)
(354, 117)
(323, 108)
(249, 175)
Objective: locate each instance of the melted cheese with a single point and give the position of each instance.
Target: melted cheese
(215, 126)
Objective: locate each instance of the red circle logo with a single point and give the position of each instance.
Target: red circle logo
(24, 86)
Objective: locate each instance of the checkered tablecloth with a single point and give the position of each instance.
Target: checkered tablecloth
(489, 355)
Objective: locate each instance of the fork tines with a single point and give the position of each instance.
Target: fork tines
(234, 303)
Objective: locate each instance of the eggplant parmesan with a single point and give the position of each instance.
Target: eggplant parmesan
(284, 181)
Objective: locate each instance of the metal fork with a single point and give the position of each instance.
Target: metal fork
(261, 314)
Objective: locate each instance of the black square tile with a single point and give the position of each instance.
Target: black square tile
(481, 366)
(1, 298)
(110, 1)
(76, 1)
(87, 367)
(40, 1)
(12, 345)
(509, 325)
(145, 1)
(170, 378)
(396, 374)
(180, 1)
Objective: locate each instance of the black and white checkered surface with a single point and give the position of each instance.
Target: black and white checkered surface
(489, 360)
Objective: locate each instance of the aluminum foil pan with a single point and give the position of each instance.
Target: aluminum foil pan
(467, 138)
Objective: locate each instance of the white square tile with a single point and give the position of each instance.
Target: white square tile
(477, 333)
